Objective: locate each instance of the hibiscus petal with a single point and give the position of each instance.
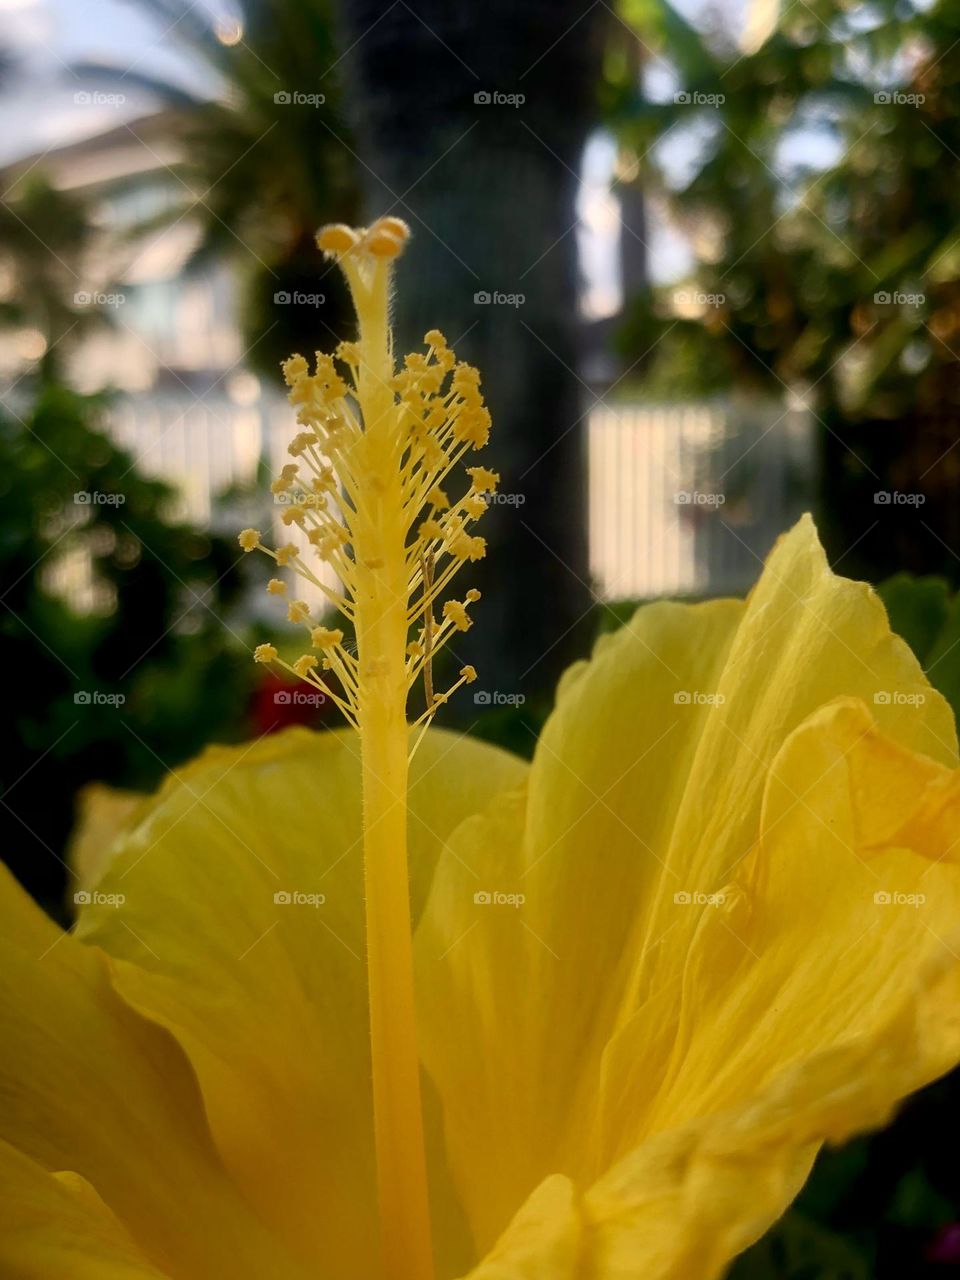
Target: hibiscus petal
(267, 993)
(647, 783)
(821, 989)
(543, 1242)
(102, 813)
(58, 1226)
(87, 1084)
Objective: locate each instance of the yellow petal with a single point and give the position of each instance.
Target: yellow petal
(88, 1085)
(647, 782)
(822, 989)
(242, 931)
(58, 1226)
(102, 813)
(543, 1242)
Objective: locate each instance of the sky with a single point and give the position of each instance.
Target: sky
(47, 38)
(46, 104)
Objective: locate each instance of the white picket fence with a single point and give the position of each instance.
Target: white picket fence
(687, 499)
(683, 499)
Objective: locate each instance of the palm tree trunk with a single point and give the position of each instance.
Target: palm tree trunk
(488, 187)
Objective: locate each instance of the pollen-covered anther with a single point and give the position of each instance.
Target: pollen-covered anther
(337, 238)
(286, 553)
(265, 653)
(349, 353)
(434, 457)
(306, 390)
(328, 540)
(293, 369)
(430, 529)
(456, 614)
(300, 443)
(249, 539)
(298, 611)
(276, 587)
(295, 514)
(473, 595)
(465, 547)
(469, 674)
(325, 637)
(305, 664)
(483, 480)
(438, 499)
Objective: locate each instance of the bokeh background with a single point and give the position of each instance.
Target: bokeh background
(706, 254)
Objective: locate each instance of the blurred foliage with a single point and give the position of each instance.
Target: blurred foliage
(927, 614)
(262, 164)
(814, 177)
(81, 525)
(45, 235)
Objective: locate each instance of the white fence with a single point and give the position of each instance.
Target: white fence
(686, 499)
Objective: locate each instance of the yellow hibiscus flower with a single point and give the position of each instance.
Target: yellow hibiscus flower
(712, 926)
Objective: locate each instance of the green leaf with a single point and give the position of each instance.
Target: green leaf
(924, 612)
(943, 661)
(799, 1249)
(917, 608)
